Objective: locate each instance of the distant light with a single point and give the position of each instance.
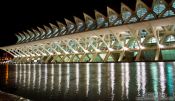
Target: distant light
(86, 51)
(125, 48)
(123, 32)
(110, 49)
(97, 50)
(142, 47)
(159, 28)
(161, 46)
(95, 36)
(75, 52)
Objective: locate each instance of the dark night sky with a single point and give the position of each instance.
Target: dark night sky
(27, 15)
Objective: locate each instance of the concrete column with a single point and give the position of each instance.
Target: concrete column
(157, 54)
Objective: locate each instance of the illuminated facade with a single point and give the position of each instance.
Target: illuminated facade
(146, 34)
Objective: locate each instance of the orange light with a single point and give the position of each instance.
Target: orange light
(6, 73)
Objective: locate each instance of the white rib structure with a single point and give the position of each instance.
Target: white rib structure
(146, 34)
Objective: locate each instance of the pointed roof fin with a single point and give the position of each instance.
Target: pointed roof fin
(60, 24)
(124, 8)
(77, 20)
(110, 11)
(98, 14)
(141, 4)
(87, 17)
(68, 22)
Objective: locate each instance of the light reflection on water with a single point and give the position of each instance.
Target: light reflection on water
(67, 76)
(170, 80)
(45, 77)
(39, 76)
(91, 81)
(141, 78)
(112, 77)
(162, 78)
(77, 77)
(154, 74)
(52, 77)
(87, 79)
(99, 78)
(125, 79)
(59, 77)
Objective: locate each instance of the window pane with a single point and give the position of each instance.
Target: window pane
(149, 16)
(173, 5)
(159, 8)
(126, 15)
(168, 13)
(141, 12)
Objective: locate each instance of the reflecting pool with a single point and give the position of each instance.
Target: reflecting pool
(90, 81)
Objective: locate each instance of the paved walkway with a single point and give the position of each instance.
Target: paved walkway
(10, 97)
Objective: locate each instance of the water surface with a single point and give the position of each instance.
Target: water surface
(90, 81)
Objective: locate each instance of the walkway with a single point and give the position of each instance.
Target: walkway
(10, 97)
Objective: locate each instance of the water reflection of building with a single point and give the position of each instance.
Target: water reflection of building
(5, 57)
(6, 73)
(125, 79)
(141, 78)
(87, 78)
(99, 77)
(113, 80)
(162, 78)
(170, 79)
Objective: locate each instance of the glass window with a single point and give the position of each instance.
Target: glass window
(126, 15)
(170, 38)
(133, 19)
(112, 19)
(71, 28)
(119, 22)
(101, 22)
(173, 5)
(43, 35)
(149, 16)
(63, 31)
(168, 13)
(80, 27)
(142, 33)
(133, 44)
(49, 32)
(90, 24)
(158, 8)
(152, 40)
(141, 12)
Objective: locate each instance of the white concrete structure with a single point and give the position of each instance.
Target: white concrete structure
(146, 34)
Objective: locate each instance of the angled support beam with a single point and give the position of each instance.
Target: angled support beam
(58, 45)
(67, 44)
(85, 51)
(121, 55)
(94, 47)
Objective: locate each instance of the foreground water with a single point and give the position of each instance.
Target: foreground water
(90, 81)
